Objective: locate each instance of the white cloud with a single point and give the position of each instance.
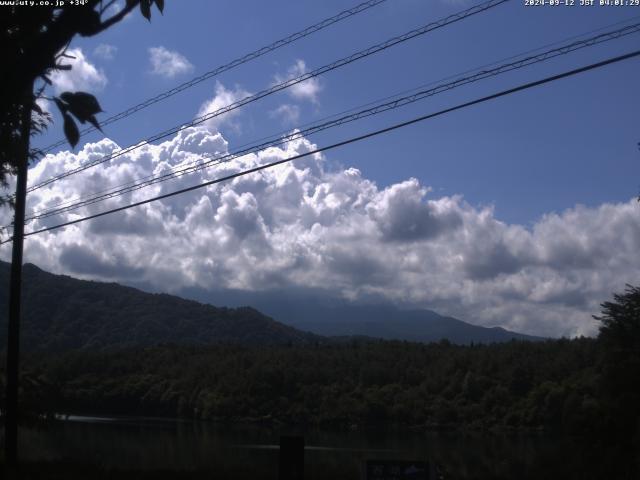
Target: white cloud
(167, 63)
(288, 114)
(105, 51)
(84, 76)
(222, 97)
(305, 225)
(307, 90)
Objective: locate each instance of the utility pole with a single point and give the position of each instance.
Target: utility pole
(15, 289)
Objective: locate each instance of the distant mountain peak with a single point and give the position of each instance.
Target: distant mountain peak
(340, 318)
(61, 312)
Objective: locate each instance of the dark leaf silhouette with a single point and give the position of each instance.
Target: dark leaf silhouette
(71, 130)
(35, 47)
(90, 24)
(92, 120)
(145, 8)
(83, 105)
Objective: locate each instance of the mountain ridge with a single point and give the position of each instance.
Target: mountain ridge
(62, 313)
(310, 312)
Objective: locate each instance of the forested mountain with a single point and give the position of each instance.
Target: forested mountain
(61, 313)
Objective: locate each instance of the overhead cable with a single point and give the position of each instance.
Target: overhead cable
(375, 133)
(65, 207)
(281, 86)
(228, 66)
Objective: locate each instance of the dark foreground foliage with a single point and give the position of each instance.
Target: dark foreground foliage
(79, 471)
(551, 386)
(557, 386)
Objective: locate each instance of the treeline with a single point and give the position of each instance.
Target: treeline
(556, 385)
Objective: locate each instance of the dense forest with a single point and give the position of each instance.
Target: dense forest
(553, 386)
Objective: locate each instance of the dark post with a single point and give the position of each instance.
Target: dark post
(291, 458)
(15, 286)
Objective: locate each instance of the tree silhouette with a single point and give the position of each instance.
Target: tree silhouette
(33, 44)
(620, 339)
(620, 320)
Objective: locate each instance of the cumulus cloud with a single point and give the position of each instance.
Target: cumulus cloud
(287, 113)
(84, 75)
(307, 90)
(105, 51)
(306, 225)
(402, 215)
(221, 98)
(167, 63)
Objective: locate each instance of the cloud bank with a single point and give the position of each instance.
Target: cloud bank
(311, 226)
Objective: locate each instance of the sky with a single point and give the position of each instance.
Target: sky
(520, 212)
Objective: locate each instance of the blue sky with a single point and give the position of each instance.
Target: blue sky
(519, 212)
(528, 154)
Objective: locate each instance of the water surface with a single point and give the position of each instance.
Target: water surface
(252, 451)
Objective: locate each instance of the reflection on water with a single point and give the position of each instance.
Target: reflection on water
(252, 452)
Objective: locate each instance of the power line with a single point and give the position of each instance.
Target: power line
(375, 133)
(377, 109)
(283, 85)
(286, 84)
(229, 66)
(449, 77)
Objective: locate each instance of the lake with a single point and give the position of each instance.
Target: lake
(245, 451)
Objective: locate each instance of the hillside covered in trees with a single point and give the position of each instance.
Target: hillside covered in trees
(62, 313)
